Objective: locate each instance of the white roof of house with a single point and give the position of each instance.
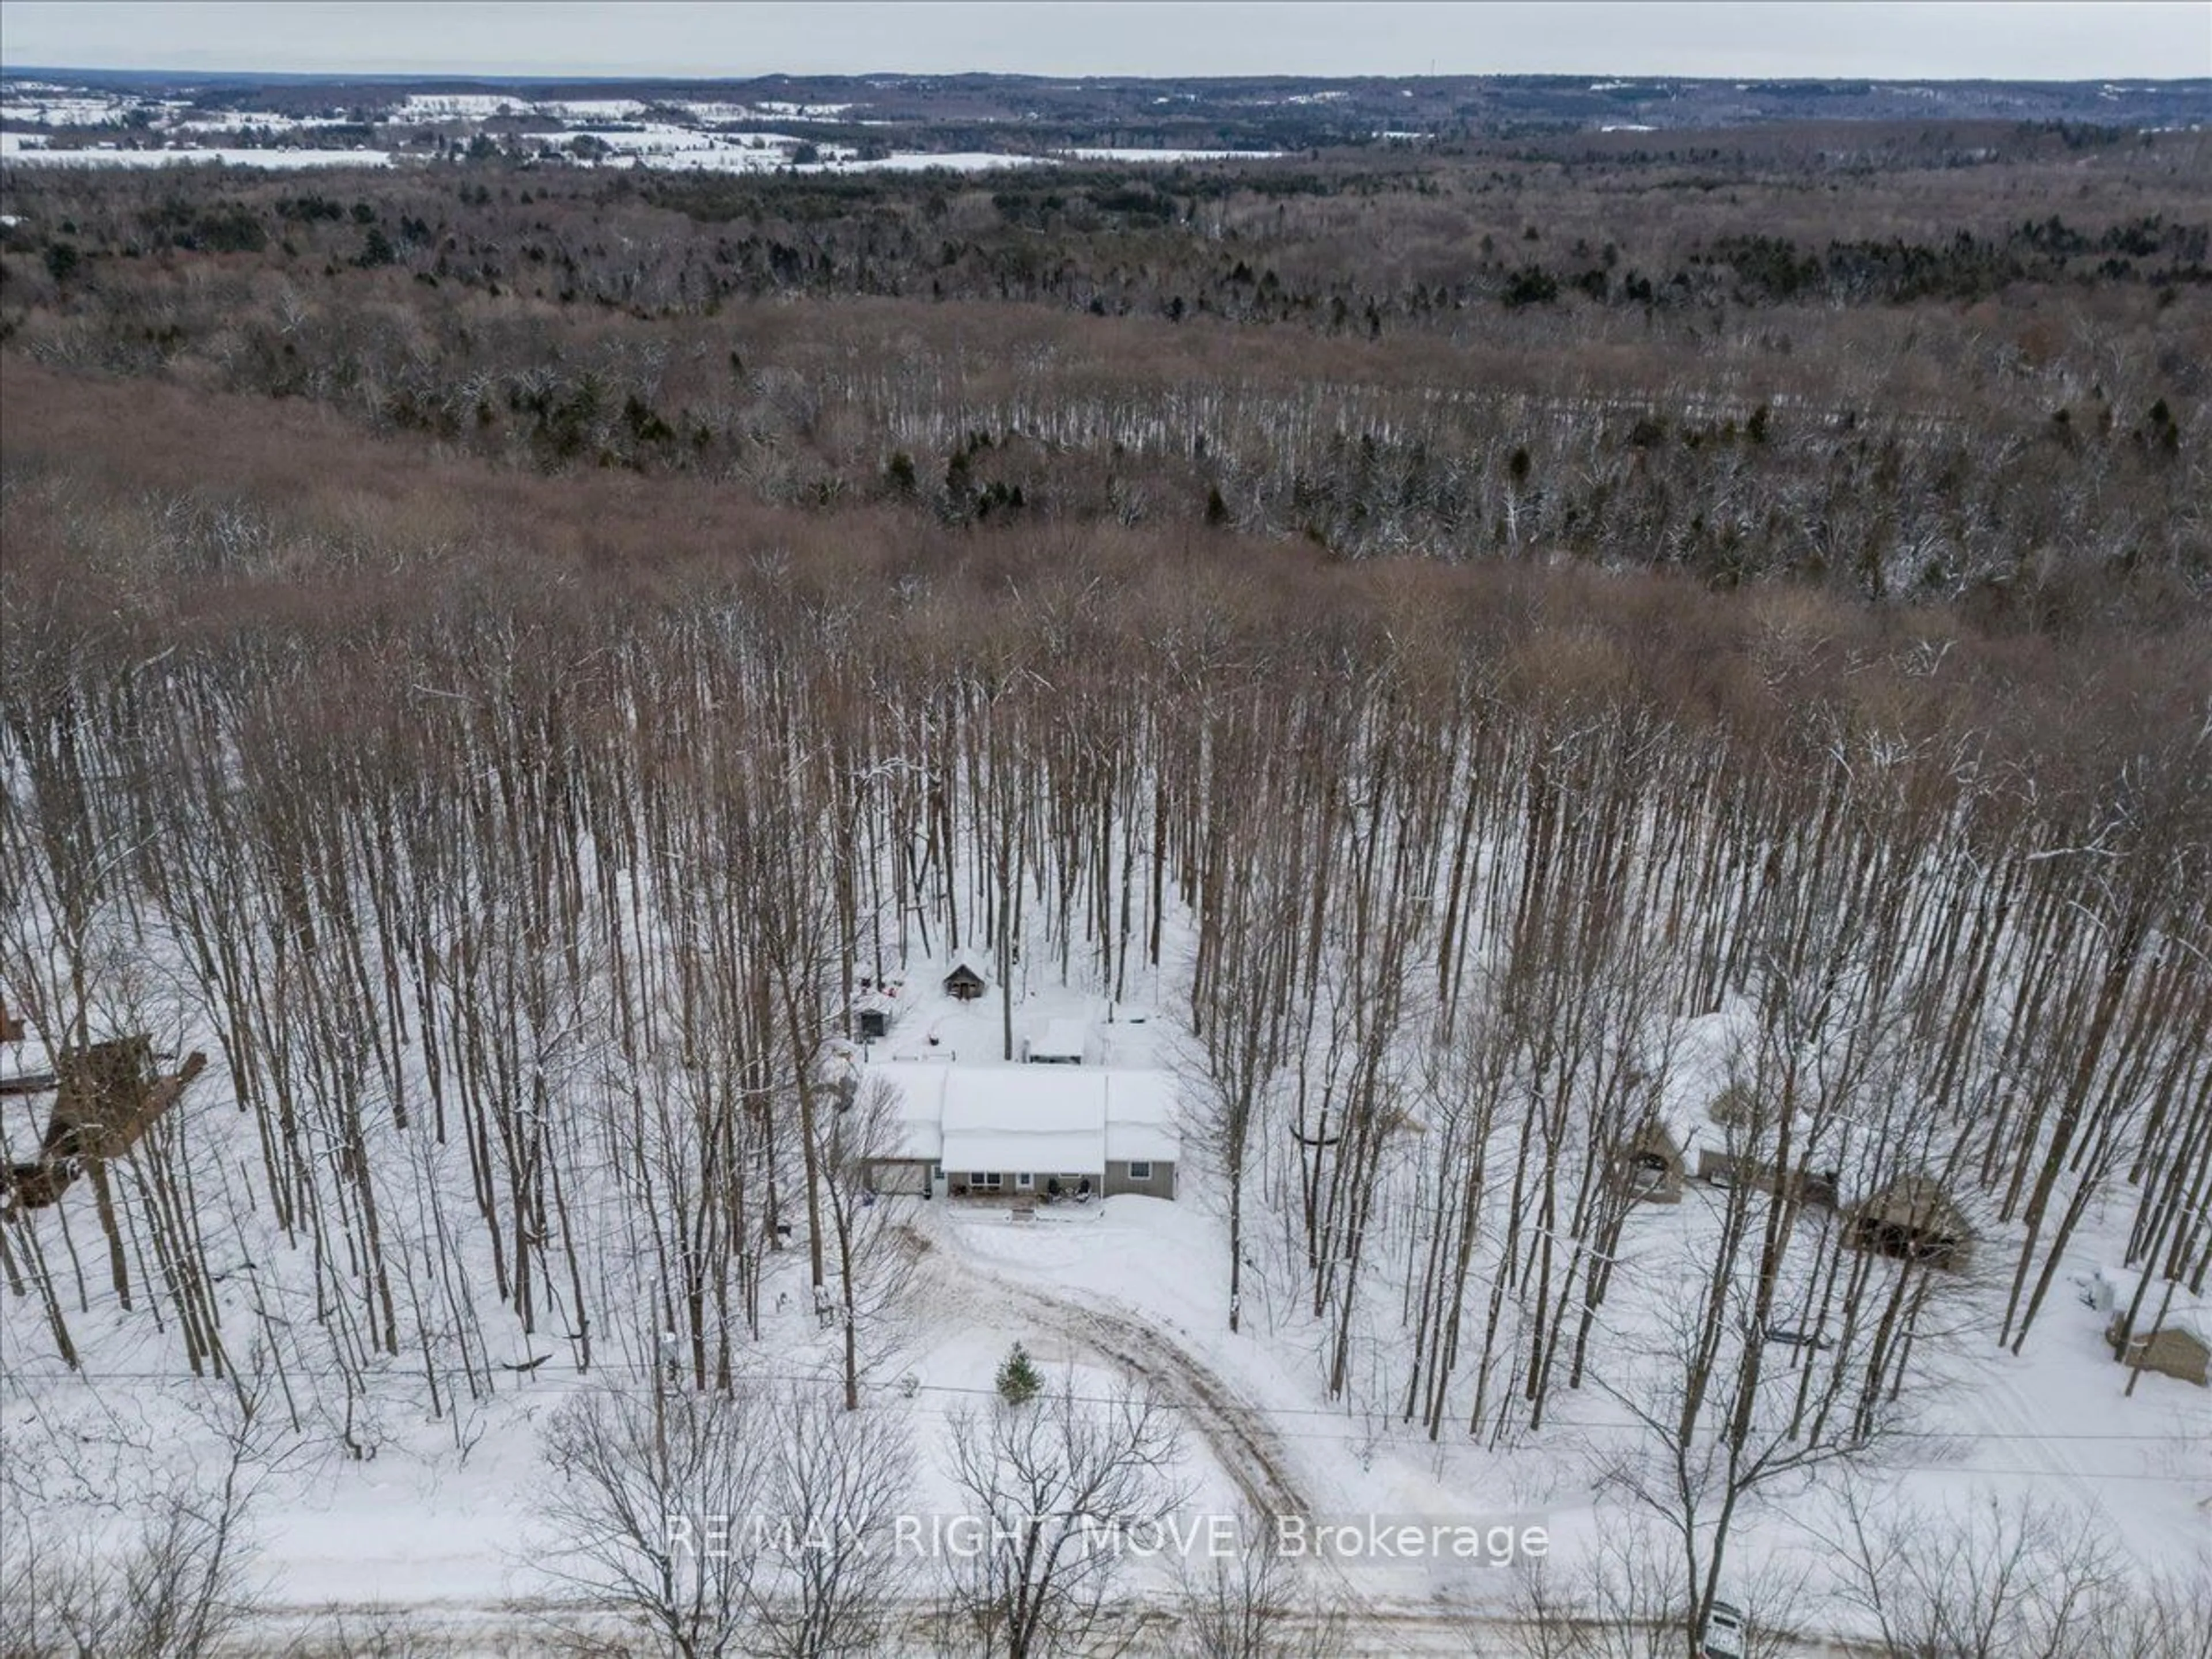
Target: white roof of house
(1140, 1117)
(981, 1099)
(1043, 1119)
(1076, 1152)
(920, 1090)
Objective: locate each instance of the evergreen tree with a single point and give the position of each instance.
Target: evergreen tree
(1019, 1381)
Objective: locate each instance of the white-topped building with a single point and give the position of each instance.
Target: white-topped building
(1060, 1131)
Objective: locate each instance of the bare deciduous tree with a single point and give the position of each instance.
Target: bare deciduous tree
(1245, 1600)
(1058, 1484)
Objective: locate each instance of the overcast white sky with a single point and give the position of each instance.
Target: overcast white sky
(2039, 39)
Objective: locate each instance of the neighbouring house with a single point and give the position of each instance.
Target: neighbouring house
(965, 983)
(1913, 1219)
(986, 1130)
(2178, 1343)
(1728, 1157)
(1722, 1165)
(871, 1018)
(1062, 1044)
(107, 1097)
(1651, 1165)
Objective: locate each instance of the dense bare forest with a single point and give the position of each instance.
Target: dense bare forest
(500, 659)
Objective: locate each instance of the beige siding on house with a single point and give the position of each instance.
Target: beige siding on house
(1010, 1185)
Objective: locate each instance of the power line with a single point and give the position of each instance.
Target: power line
(1247, 1414)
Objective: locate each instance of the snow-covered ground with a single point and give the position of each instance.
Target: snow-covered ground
(1174, 155)
(440, 1519)
(968, 160)
(14, 147)
(661, 144)
(699, 135)
(252, 120)
(64, 110)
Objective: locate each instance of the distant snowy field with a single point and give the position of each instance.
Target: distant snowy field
(684, 135)
(14, 147)
(1164, 155)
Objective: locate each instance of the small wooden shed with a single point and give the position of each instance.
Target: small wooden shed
(1913, 1219)
(965, 983)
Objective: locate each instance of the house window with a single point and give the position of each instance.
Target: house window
(1024, 1181)
(989, 1179)
(937, 1172)
(1140, 1172)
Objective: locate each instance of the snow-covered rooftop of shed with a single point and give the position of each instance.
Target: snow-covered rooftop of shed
(1063, 1039)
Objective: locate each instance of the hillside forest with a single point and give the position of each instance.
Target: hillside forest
(500, 659)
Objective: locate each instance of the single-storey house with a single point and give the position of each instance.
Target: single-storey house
(966, 983)
(979, 1130)
(1912, 1218)
(913, 1161)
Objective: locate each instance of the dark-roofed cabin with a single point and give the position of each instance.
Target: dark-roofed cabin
(963, 984)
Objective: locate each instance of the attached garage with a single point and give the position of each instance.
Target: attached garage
(905, 1176)
(909, 1164)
